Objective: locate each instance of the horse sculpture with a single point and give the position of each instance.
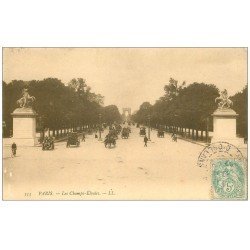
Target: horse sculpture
(26, 100)
(225, 101)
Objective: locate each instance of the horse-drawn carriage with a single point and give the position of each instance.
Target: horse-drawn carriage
(174, 137)
(73, 140)
(113, 133)
(118, 129)
(142, 131)
(160, 133)
(48, 143)
(125, 133)
(110, 140)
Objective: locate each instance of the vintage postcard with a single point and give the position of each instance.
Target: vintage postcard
(124, 124)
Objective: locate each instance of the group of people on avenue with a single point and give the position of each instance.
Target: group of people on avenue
(109, 136)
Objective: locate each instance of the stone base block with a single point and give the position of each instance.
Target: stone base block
(24, 127)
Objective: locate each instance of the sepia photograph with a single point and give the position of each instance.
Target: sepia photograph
(124, 123)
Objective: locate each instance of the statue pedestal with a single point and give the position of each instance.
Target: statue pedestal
(224, 123)
(24, 127)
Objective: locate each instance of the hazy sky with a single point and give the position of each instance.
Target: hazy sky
(128, 77)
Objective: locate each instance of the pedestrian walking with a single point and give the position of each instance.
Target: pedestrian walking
(13, 149)
(145, 141)
(174, 137)
(83, 137)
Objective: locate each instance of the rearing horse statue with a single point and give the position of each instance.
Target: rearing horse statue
(26, 100)
(225, 101)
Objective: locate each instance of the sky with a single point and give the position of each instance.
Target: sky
(127, 77)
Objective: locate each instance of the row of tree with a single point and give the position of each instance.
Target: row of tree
(190, 107)
(59, 105)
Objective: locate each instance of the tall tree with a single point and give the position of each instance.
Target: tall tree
(172, 89)
(111, 114)
(57, 105)
(142, 114)
(182, 106)
(240, 106)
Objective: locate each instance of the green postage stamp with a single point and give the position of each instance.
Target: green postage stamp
(228, 171)
(228, 179)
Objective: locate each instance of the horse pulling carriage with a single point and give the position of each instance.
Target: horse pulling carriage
(142, 131)
(160, 133)
(113, 133)
(174, 137)
(48, 143)
(110, 140)
(118, 129)
(73, 140)
(125, 133)
(129, 129)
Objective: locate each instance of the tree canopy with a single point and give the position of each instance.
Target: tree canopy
(190, 107)
(111, 114)
(184, 106)
(59, 105)
(240, 106)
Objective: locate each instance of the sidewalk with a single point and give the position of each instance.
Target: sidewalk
(205, 144)
(201, 143)
(8, 141)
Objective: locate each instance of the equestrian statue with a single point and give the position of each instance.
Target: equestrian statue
(225, 102)
(26, 100)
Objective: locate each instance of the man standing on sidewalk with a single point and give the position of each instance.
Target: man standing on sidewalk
(13, 149)
(83, 136)
(145, 141)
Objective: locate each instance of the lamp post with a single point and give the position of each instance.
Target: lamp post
(100, 133)
(149, 128)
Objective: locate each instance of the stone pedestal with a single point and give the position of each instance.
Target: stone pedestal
(224, 123)
(24, 127)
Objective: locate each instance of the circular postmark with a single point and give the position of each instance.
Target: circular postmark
(218, 150)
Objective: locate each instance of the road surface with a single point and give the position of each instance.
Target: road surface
(130, 171)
